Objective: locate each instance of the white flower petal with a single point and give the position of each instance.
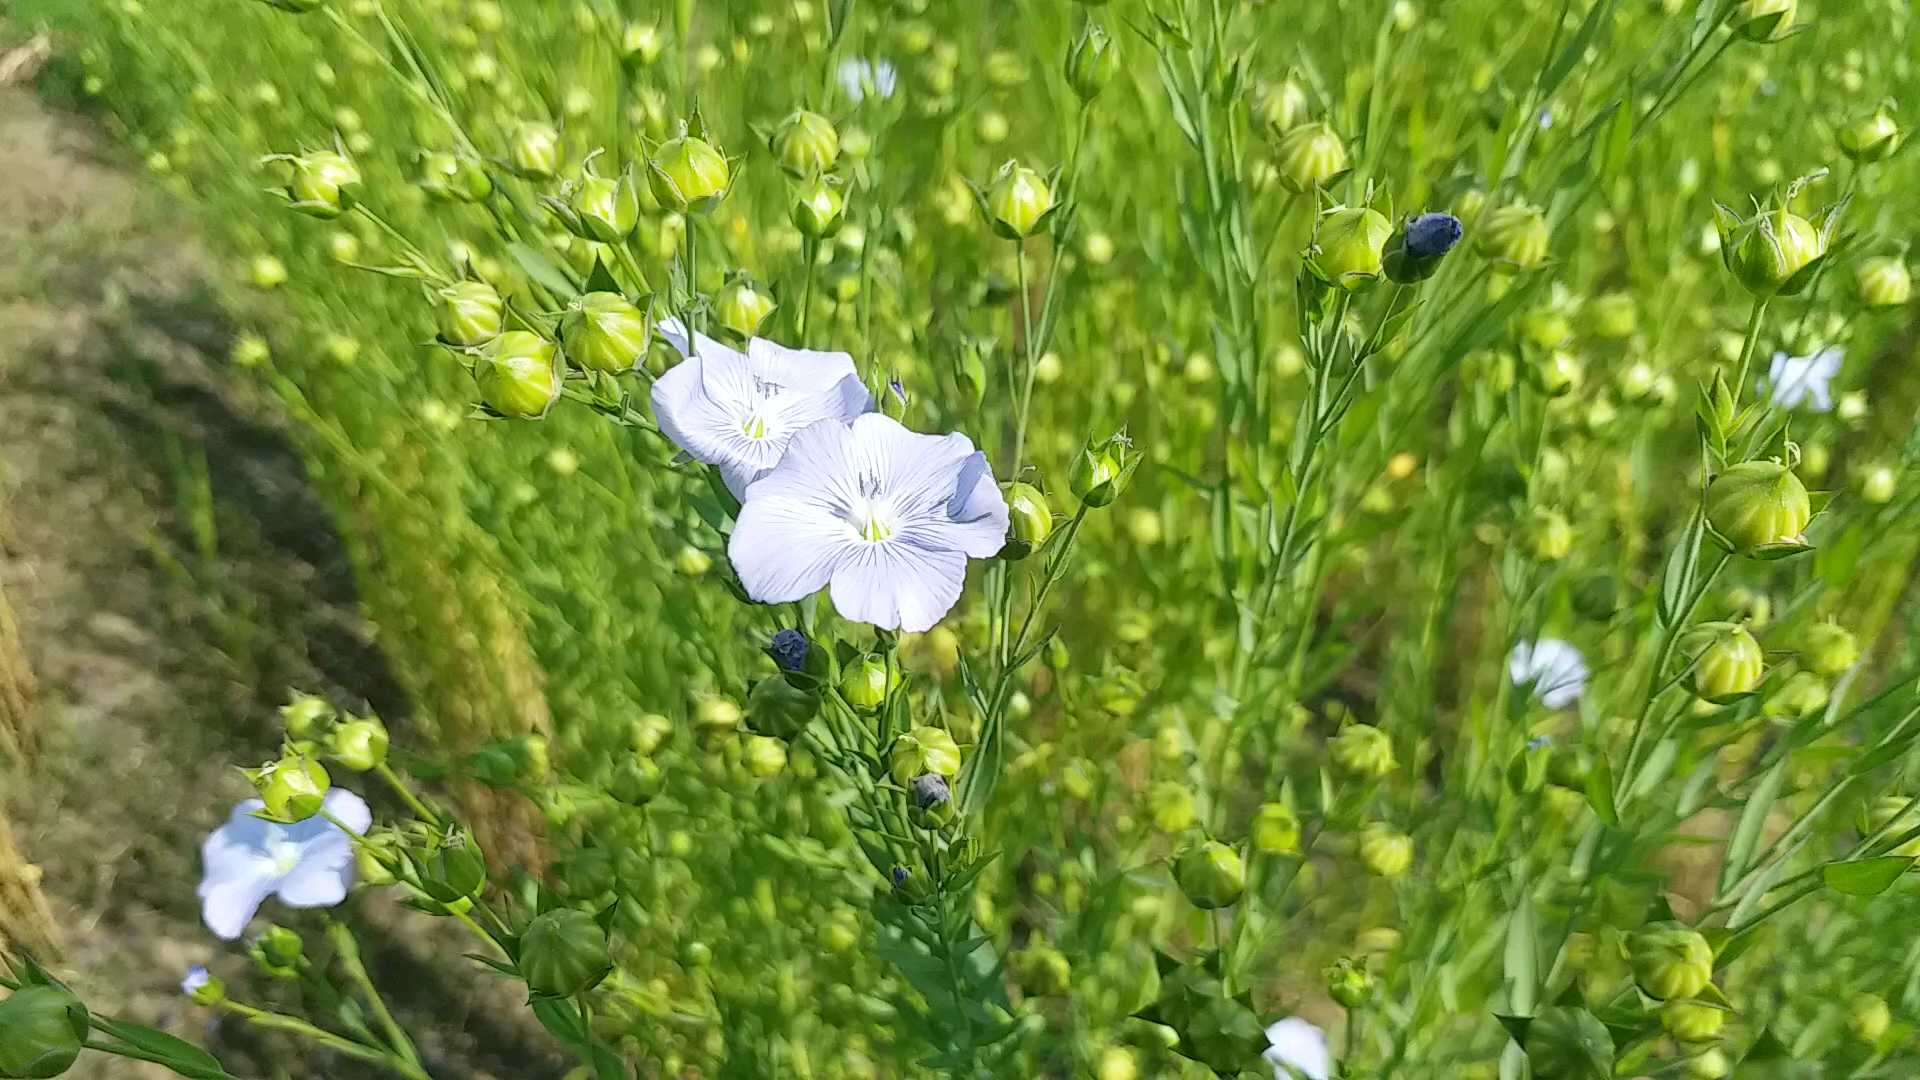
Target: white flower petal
(350, 809)
(704, 346)
(785, 549)
(227, 905)
(799, 369)
(1298, 1049)
(1554, 669)
(323, 876)
(899, 586)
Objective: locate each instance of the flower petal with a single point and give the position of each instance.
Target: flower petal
(704, 346)
(899, 585)
(800, 369)
(324, 874)
(228, 904)
(786, 549)
(1298, 1046)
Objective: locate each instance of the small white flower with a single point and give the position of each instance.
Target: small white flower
(306, 864)
(1802, 380)
(737, 411)
(859, 77)
(885, 516)
(1553, 668)
(1298, 1050)
(196, 978)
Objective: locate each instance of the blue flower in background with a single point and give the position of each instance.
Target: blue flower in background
(306, 864)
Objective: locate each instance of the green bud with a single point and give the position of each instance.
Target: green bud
(278, 952)
(1091, 62)
(637, 781)
(1885, 282)
(1276, 830)
(764, 755)
(1763, 20)
(293, 788)
(516, 375)
(805, 144)
(1349, 247)
(1873, 137)
(453, 872)
(742, 308)
(866, 682)
(1385, 852)
(1613, 316)
(1801, 696)
(1018, 201)
(641, 43)
(778, 708)
(1709, 1064)
(688, 174)
(1362, 750)
(1171, 805)
(1759, 507)
(1727, 661)
(204, 988)
(42, 1030)
(1768, 251)
(451, 178)
(306, 717)
(324, 183)
(1549, 537)
(923, 750)
(1348, 983)
(1311, 156)
(1515, 235)
(818, 208)
(266, 272)
(469, 313)
(1868, 1017)
(714, 719)
(603, 209)
(535, 150)
(603, 331)
(1279, 107)
(1100, 472)
(1029, 520)
(359, 744)
(1210, 874)
(564, 952)
(1670, 960)
(1829, 648)
(1042, 970)
(1691, 1021)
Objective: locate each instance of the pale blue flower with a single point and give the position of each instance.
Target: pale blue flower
(1298, 1050)
(1802, 380)
(197, 977)
(860, 77)
(306, 864)
(736, 411)
(1554, 669)
(884, 517)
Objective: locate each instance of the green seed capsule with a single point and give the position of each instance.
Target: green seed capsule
(805, 144)
(1771, 248)
(1311, 156)
(688, 174)
(42, 1030)
(535, 150)
(564, 952)
(742, 308)
(1727, 661)
(921, 751)
(469, 313)
(1350, 246)
(603, 331)
(1362, 750)
(293, 788)
(1515, 235)
(1211, 875)
(324, 184)
(1029, 520)
(516, 375)
(1670, 961)
(1757, 506)
(1885, 282)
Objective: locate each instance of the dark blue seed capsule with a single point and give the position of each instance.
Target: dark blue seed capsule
(789, 650)
(1430, 236)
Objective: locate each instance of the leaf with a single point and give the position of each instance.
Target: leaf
(161, 1048)
(1676, 580)
(1600, 791)
(1576, 47)
(544, 271)
(1521, 963)
(1866, 877)
(559, 1016)
(602, 279)
(1753, 818)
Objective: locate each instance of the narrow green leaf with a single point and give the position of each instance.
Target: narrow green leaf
(1600, 791)
(1753, 819)
(1866, 877)
(1576, 47)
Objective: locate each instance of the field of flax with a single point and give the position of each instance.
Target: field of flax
(1018, 538)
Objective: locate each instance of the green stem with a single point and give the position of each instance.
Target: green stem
(347, 948)
(393, 780)
(293, 1025)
